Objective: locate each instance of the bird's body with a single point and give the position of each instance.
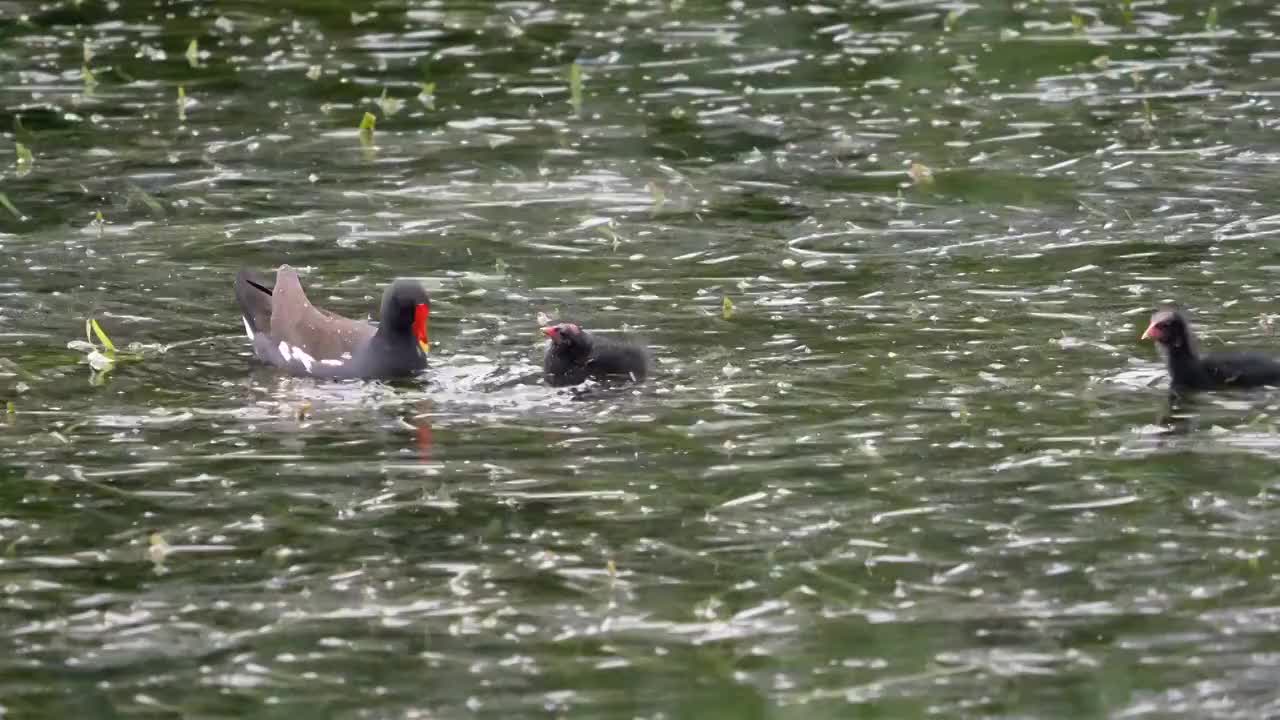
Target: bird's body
(287, 331)
(574, 356)
(1189, 371)
(1223, 370)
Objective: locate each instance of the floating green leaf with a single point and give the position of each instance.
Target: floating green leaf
(1077, 23)
(1211, 19)
(949, 22)
(367, 125)
(4, 202)
(10, 408)
(25, 158)
(90, 81)
(575, 88)
(182, 104)
(389, 105)
(920, 173)
(193, 53)
(103, 358)
(428, 95)
(101, 361)
(152, 204)
(314, 72)
(726, 308)
(157, 549)
(659, 197)
(92, 324)
(100, 222)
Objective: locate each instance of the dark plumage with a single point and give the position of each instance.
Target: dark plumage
(289, 332)
(575, 355)
(1190, 371)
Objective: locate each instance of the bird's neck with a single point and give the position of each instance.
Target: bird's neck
(390, 330)
(1184, 364)
(397, 335)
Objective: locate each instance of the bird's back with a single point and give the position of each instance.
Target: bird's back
(318, 332)
(289, 332)
(618, 357)
(1241, 369)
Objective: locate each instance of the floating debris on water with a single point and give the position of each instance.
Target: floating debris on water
(157, 550)
(25, 159)
(7, 205)
(920, 173)
(389, 105)
(367, 125)
(575, 88)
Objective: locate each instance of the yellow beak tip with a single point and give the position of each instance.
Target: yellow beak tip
(426, 347)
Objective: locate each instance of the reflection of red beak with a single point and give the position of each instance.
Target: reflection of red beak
(551, 331)
(424, 440)
(1152, 333)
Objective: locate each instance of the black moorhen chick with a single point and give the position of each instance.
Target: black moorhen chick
(1189, 371)
(289, 332)
(574, 355)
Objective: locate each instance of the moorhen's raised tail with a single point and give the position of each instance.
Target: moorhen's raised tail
(575, 355)
(289, 332)
(1189, 371)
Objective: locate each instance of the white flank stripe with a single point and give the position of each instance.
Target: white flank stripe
(247, 330)
(303, 357)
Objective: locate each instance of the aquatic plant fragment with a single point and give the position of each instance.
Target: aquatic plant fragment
(367, 125)
(25, 159)
(575, 88)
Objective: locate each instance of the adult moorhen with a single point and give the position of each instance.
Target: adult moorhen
(1189, 371)
(574, 355)
(289, 332)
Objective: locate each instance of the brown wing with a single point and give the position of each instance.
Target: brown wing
(322, 334)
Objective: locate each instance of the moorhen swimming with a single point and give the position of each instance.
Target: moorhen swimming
(289, 332)
(1190, 371)
(574, 355)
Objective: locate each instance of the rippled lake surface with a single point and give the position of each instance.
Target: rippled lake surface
(917, 465)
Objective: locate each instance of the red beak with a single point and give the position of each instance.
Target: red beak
(420, 314)
(1152, 333)
(551, 331)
